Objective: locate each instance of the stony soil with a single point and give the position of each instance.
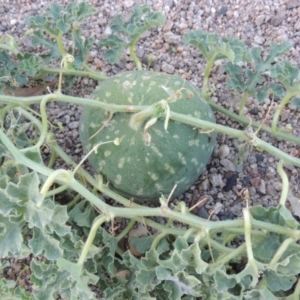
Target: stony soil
(256, 22)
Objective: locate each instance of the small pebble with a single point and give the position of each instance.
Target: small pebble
(168, 68)
(277, 185)
(224, 151)
(171, 38)
(259, 20)
(276, 20)
(202, 213)
(223, 11)
(230, 183)
(73, 125)
(262, 187)
(228, 165)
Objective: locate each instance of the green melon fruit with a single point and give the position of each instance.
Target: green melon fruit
(138, 169)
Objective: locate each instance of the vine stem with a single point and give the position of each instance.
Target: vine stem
(97, 222)
(283, 102)
(126, 230)
(134, 57)
(280, 252)
(291, 92)
(88, 73)
(285, 184)
(243, 102)
(50, 180)
(207, 69)
(113, 212)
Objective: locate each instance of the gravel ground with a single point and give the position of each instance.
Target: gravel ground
(256, 22)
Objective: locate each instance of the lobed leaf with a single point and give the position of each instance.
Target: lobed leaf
(214, 48)
(249, 80)
(63, 278)
(10, 235)
(142, 19)
(59, 20)
(296, 101)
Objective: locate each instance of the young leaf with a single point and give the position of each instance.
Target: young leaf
(59, 20)
(250, 79)
(142, 19)
(29, 64)
(296, 101)
(214, 48)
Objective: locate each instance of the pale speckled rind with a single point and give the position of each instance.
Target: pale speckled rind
(133, 169)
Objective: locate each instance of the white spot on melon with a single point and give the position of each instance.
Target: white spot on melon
(121, 162)
(107, 153)
(153, 176)
(118, 179)
(194, 143)
(197, 114)
(101, 164)
(140, 191)
(117, 132)
(175, 136)
(147, 160)
(182, 158)
(126, 85)
(156, 150)
(93, 125)
(107, 94)
(195, 161)
(158, 186)
(158, 132)
(169, 168)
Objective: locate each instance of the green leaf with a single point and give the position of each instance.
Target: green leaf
(224, 281)
(64, 278)
(264, 247)
(286, 73)
(59, 20)
(116, 46)
(142, 19)
(143, 243)
(290, 265)
(38, 38)
(281, 216)
(42, 243)
(260, 294)
(180, 284)
(214, 48)
(296, 101)
(10, 235)
(83, 214)
(277, 282)
(79, 12)
(248, 80)
(29, 64)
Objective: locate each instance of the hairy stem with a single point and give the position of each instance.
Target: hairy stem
(280, 252)
(126, 230)
(285, 184)
(291, 93)
(97, 222)
(243, 102)
(208, 67)
(242, 120)
(89, 73)
(134, 57)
